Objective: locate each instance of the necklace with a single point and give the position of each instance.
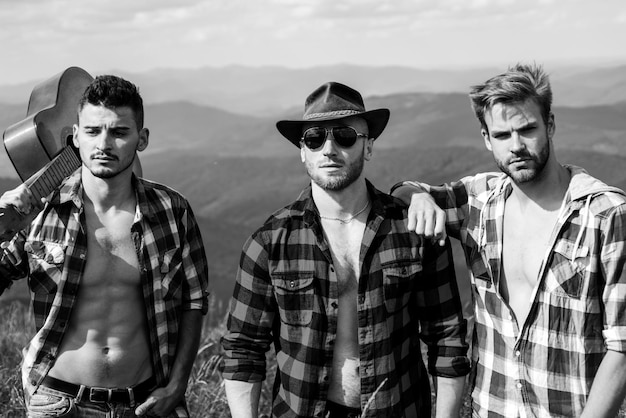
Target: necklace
(350, 219)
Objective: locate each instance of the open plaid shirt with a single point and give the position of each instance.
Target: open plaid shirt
(286, 293)
(52, 254)
(546, 367)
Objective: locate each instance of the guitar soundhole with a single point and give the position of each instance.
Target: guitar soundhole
(70, 143)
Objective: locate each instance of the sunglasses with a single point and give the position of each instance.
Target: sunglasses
(345, 136)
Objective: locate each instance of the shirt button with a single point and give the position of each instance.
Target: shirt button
(325, 378)
(332, 269)
(334, 305)
(82, 256)
(517, 353)
(519, 385)
(292, 284)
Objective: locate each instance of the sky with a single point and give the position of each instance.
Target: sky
(39, 38)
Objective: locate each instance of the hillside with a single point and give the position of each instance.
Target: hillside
(236, 169)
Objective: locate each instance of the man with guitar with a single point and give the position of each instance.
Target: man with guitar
(117, 271)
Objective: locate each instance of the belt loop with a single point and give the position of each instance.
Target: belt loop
(131, 397)
(109, 395)
(79, 395)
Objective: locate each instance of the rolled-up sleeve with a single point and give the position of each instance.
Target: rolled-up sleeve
(443, 327)
(251, 316)
(13, 261)
(195, 267)
(613, 264)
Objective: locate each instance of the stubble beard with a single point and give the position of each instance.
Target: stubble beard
(528, 174)
(106, 173)
(337, 182)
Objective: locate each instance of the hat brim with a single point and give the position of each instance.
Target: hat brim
(376, 121)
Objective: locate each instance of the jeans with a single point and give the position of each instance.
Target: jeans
(334, 410)
(47, 403)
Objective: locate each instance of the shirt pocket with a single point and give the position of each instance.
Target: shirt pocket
(170, 267)
(45, 262)
(565, 275)
(399, 281)
(295, 295)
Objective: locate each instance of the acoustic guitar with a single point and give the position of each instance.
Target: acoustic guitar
(40, 146)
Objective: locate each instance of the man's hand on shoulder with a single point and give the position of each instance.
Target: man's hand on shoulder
(18, 207)
(426, 219)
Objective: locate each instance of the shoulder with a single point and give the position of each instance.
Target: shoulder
(484, 182)
(157, 194)
(608, 204)
(289, 217)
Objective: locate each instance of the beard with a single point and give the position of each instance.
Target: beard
(107, 173)
(338, 181)
(535, 162)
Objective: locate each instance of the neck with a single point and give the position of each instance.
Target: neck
(547, 191)
(107, 193)
(343, 203)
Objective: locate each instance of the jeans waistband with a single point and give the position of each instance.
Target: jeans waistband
(81, 393)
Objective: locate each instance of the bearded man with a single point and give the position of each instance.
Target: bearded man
(343, 289)
(545, 244)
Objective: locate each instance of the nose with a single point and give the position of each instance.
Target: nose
(516, 142)
(329, 146)
(104, 140)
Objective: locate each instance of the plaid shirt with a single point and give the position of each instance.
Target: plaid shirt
(286, 293)
(546, 367)
(52, 253)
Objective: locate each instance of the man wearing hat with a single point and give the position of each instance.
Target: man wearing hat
(343, 289)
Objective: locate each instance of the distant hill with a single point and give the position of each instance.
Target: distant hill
(270, 90)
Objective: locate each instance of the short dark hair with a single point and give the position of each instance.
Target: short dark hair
(518, 84)
(112, 91)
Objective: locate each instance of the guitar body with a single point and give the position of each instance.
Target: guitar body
(47, 128)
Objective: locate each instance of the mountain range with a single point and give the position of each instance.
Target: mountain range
(236, 169)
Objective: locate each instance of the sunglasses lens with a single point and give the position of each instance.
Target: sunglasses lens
(344, 136)
(314, 137)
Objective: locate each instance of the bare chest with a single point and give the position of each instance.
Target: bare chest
(344, 242)
(111, 254)
(525, 244)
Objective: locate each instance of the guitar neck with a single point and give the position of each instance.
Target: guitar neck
(46, 180)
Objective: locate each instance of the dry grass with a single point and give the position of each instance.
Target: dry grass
(205, 393)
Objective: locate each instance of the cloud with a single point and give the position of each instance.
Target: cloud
(142, 34)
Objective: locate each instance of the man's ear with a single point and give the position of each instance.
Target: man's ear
(551, 126)
(144, 135)
(486, 138)
(74, 132)
(369, 148)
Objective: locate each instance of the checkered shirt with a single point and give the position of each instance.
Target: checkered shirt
(52, 254)
(546, 367)
(286, 293)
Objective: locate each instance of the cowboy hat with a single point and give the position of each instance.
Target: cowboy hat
(334, 101)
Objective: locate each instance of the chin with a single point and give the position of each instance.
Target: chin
(104, 174)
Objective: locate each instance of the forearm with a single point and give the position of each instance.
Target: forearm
(188, 342)
(609, 387)
(405, 190)
(243, 398)
(449, 392)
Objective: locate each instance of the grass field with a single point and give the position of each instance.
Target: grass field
(205, 393)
